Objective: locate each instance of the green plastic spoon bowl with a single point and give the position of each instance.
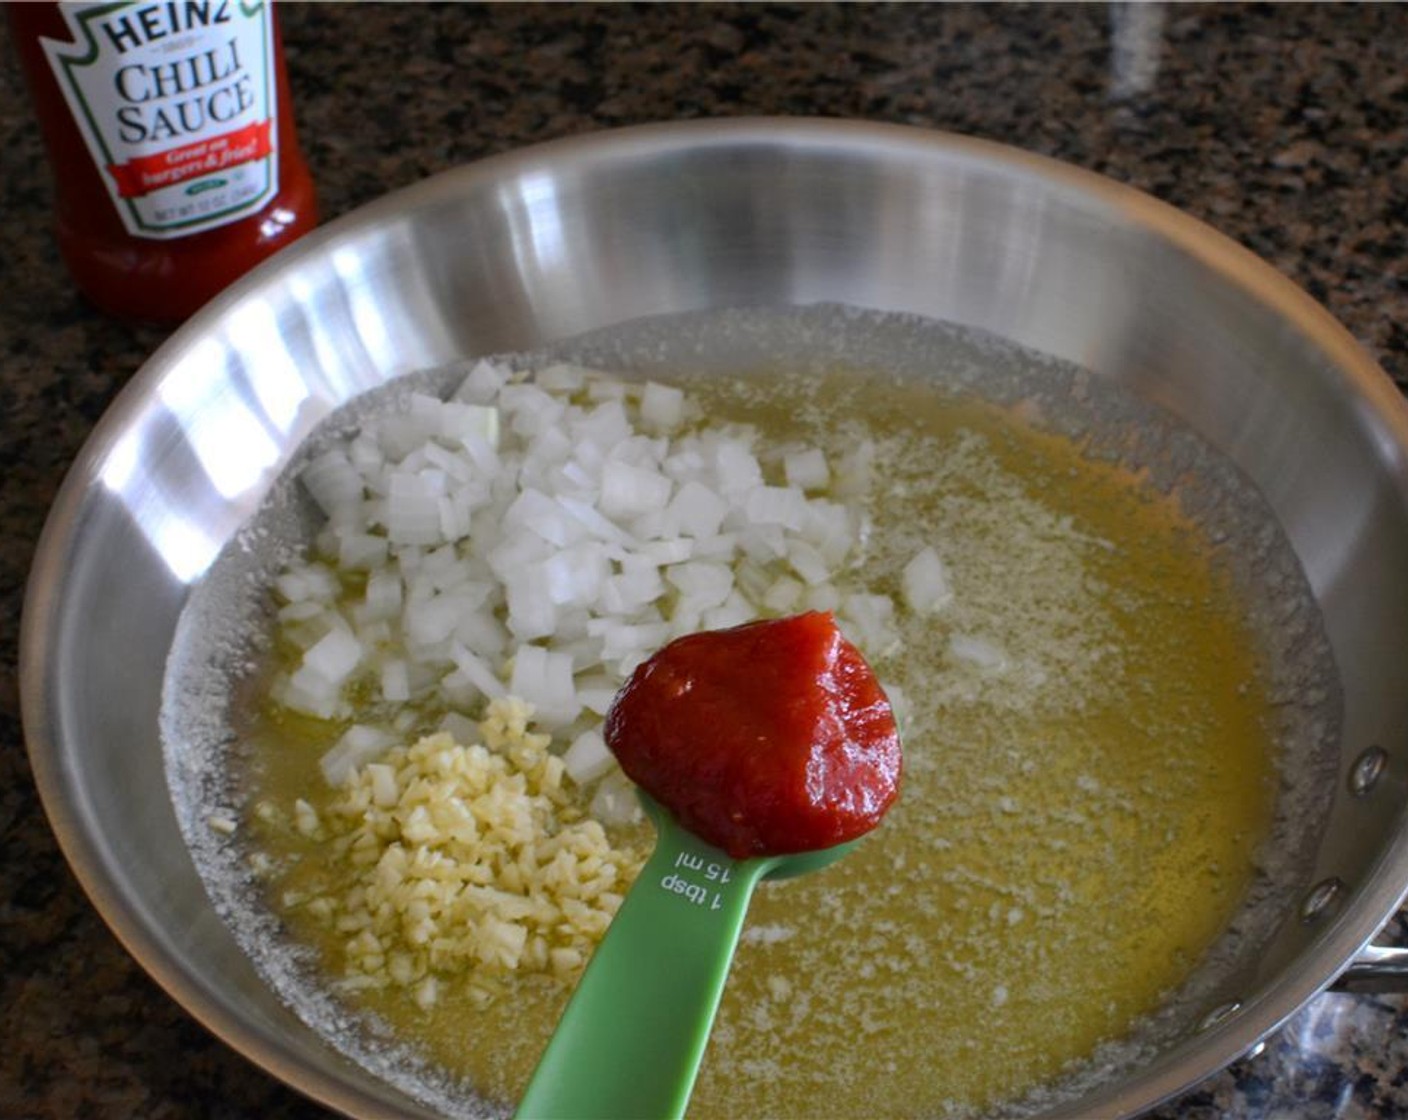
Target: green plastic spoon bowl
(629, 1044)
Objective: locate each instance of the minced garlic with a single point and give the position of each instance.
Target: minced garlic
(464, 861)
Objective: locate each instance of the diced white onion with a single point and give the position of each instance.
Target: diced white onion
(703, 583)
(776, 505)
(312, 581)
(807, 470)
(697, 511)
(413, 509)
(483, 382)
(615, 801)
(588, 758)
(395, 681)
(783, 596)
(361, 552)
(335, 656)
(383, 595)
(925, 583)
(542, 536)
(738, 470)
(543, 678)
(336, 485)
(977, 651)
(596, 699)
(870, 619)
(808, 563)
(661, 406)
(384, 793)
(561, 377)
(359, 745)
(476, 671)
(627, 491)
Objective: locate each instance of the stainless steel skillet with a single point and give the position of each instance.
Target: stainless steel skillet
(526, 249)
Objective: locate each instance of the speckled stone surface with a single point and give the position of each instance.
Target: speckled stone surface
(1285, 127)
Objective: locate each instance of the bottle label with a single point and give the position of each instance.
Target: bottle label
(177, 104)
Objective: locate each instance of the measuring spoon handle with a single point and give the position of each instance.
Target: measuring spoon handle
(630, 1042)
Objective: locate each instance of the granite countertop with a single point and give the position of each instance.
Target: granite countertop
(1285, 127)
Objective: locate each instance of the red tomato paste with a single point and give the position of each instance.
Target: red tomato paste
(766, 739)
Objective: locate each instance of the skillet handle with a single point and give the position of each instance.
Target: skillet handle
(1377, 969)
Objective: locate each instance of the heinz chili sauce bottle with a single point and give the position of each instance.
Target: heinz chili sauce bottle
(171, 140)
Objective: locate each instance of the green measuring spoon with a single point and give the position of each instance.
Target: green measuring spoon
(629, 1044)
